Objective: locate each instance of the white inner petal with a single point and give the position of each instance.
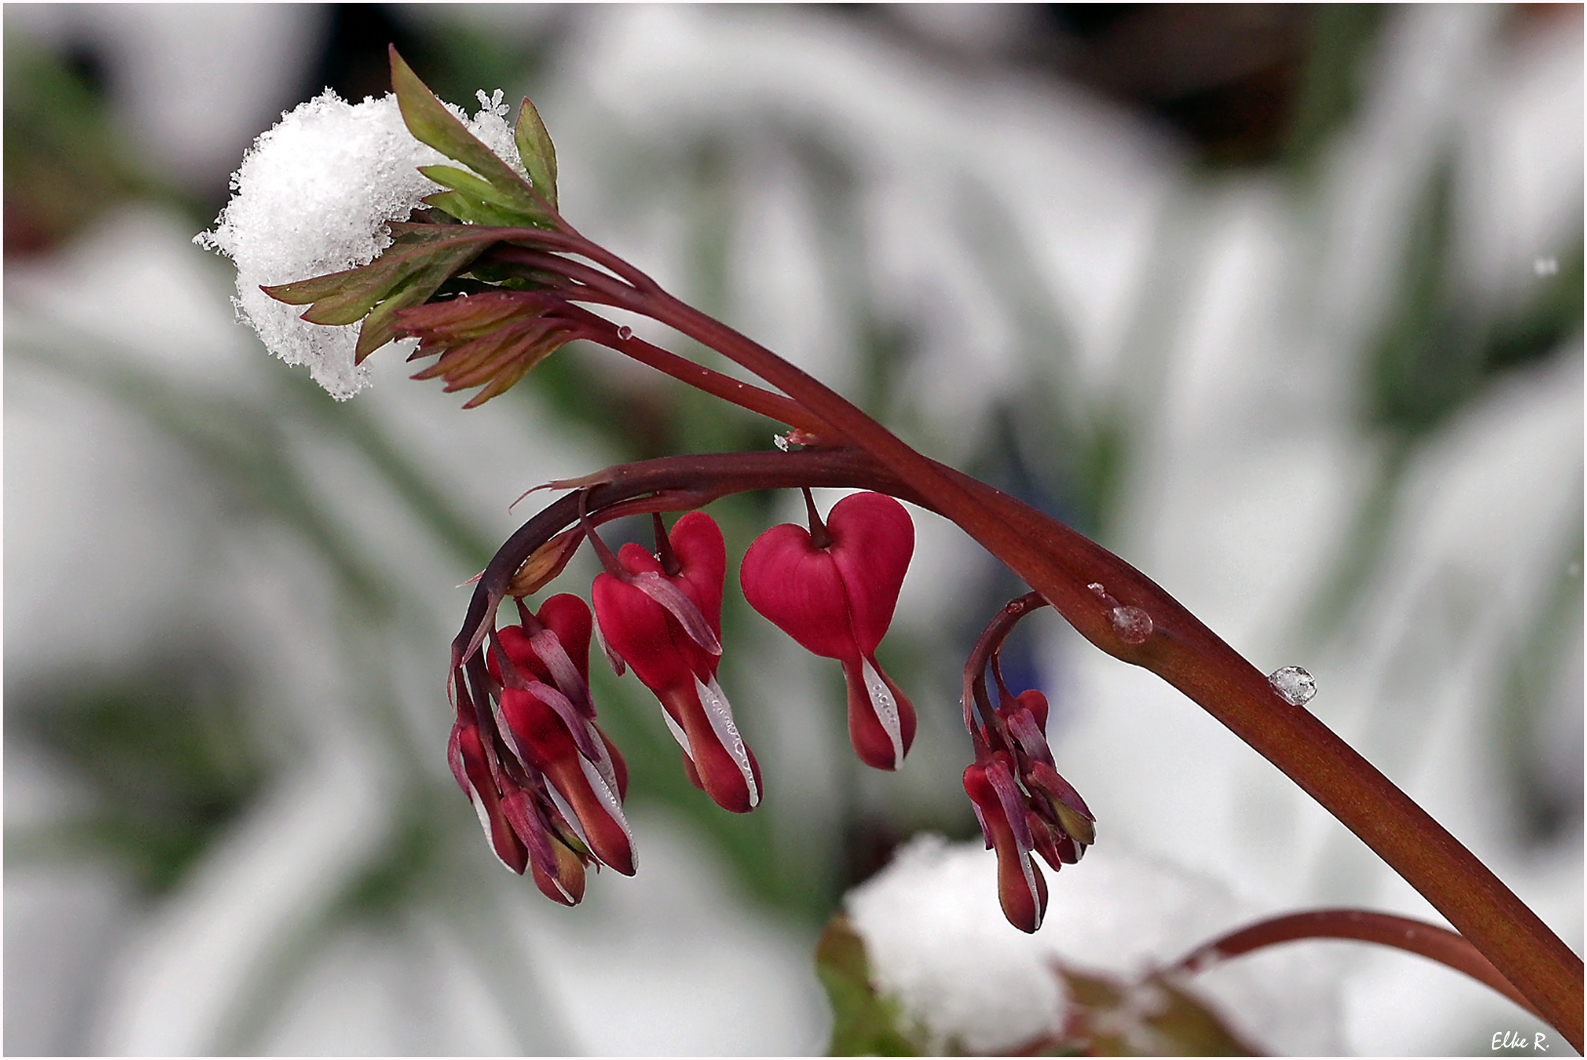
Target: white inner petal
(563, 672)
(484, 824)
(1030, 881)
(479, 811)
(567, 812)
(720, 715)
(885, 709)
(507, 735)
(612, 657)
(604, 762)
(678, 734)
(608, 797)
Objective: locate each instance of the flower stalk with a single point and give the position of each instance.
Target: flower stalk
(1359, 925)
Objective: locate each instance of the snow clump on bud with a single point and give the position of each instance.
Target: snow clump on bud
(314, 196)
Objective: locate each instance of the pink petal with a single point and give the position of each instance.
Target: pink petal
(881, 718)
(873, 539)
(1031, 739)
(689, 616)
(800, 590)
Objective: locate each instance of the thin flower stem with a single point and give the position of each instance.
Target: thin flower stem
(820, 536)
(669, 559)
(1361, 925)
(591, 286)
(612, 290)
(566, 239)
(745, 395)
(1060, 564)
(985, 651)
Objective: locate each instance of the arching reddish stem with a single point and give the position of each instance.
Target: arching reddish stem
(1361, 925)
(1060, 565)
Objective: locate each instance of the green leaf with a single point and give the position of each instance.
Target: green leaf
(431, 123)
(536, 151)
(467, 208)
(864, 1022)
(334, 284)
(410, 248)
(433, 251)
(354, 301)
(381, 325)
(473, 187)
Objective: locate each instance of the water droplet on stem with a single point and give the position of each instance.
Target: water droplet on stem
(1133, 625)
(625, 333)
(1293, 685)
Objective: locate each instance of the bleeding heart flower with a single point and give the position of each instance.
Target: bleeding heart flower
(547, 721)
(833, 589)
(663, 617)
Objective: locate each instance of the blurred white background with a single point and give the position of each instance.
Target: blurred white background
(1283, 305)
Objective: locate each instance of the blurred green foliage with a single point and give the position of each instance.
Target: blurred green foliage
(865, 1021)
(1440, 347)
(161, 760)
(1343, 37)
(63, 165)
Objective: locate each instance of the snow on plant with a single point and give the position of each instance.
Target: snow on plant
(315, 194)
(491, 279)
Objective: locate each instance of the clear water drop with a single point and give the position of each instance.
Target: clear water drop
(1133, 625)
(1293, 685)
(1099, 589)
(625, 333)
(780, 441)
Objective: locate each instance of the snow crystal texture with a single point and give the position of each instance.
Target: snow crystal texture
(313, 196)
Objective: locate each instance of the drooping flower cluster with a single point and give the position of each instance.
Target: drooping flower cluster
(553, 802)
(547, 783)
(491, 279)
(476, 276)
(1024, 806)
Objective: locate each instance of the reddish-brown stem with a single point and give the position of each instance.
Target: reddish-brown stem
(566, 239)
(986, 647)
(669, 560)
(597, 287)
(602, 552)
(1402, 933)
(744, 395)
(820, 536)
(605, 288)
(1060, 564)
